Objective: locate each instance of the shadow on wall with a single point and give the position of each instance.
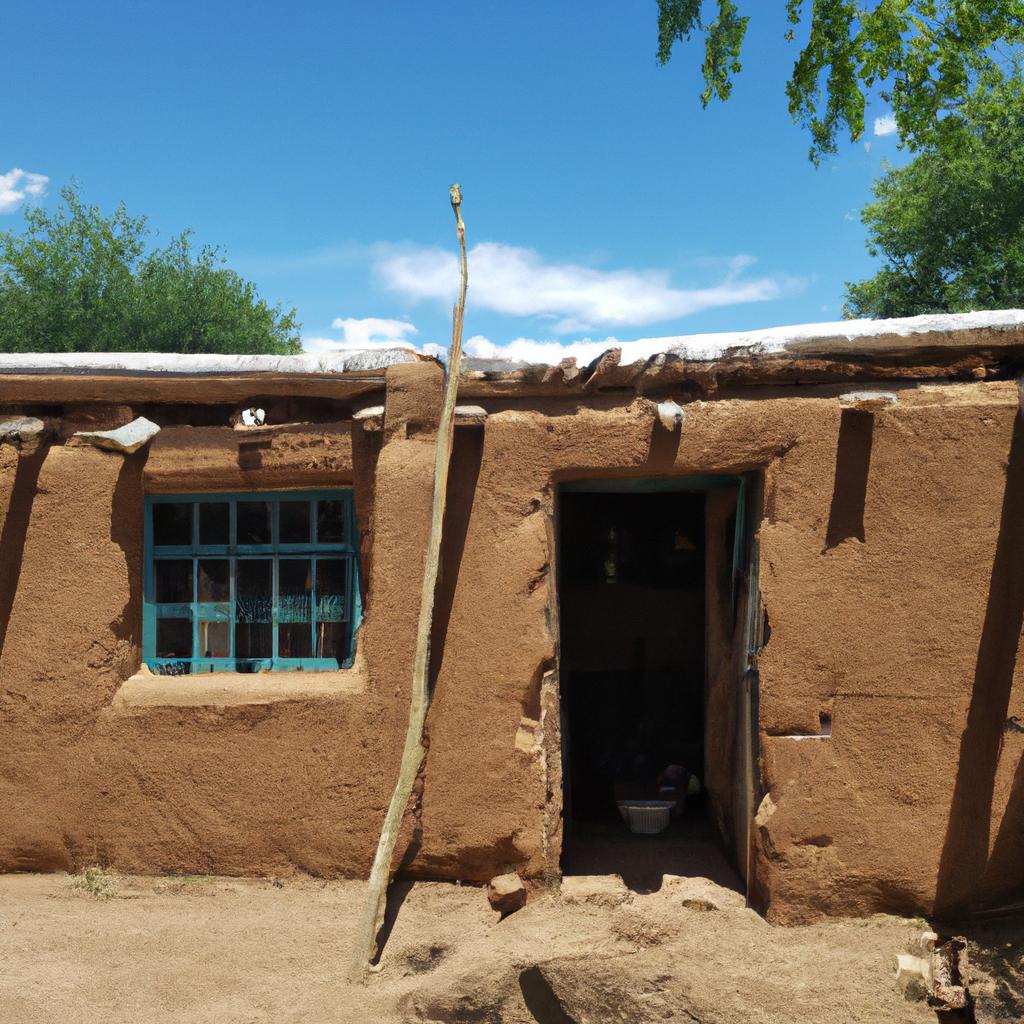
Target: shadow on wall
(664, 447)
(126, 526)
(849, 492)
(463, 472)
(12, 539)
(968, 875)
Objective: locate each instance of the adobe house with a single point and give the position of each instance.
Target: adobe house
(791, 561)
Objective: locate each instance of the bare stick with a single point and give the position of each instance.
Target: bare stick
(414, 751)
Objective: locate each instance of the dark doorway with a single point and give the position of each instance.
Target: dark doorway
(632, 600)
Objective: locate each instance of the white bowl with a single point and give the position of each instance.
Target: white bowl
(646, 817)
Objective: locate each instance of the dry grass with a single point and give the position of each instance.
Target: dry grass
(97, 881)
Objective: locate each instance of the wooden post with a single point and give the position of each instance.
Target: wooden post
(364, 946)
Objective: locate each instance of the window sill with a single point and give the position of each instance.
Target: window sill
(145, 689)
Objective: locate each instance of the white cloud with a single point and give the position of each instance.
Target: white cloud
(362, 333)
(371, 330)
(17, 185)
(518, 282)
(885, 125)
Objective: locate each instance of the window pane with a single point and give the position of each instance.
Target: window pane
(253, 522)
(253, 640)
(330, 522)
(295, 640)
(295, 585)
(214, 522)
(254, 593)
(173, 580)
(214, 580)
(330, 589)
(172, 523)
(174, 638)
(332, 640)
(214, 639)
(294, 520)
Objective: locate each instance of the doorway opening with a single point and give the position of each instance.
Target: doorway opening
(649, 576)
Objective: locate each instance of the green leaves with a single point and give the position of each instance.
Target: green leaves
(75, 280)
(922, 56)
(950, 225)
(679, 19)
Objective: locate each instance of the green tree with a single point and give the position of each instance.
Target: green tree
(949, 226)
(75, 280)
(923, 57)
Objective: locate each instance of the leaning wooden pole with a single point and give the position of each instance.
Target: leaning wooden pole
(364, 946)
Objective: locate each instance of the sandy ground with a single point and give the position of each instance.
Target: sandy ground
(225, 950)
(203, 950)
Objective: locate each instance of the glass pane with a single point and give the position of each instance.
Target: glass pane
(253, 522)
(295, 585)
(295, 640)
(332, 640)
(294, 520)
(214, 522)
(214, 580)
(254, 590)
(253, 640)
(330, 522)
(214, 639)
(331, 578)
(172, 523)
(174, 638)
(254, 630)
(173, 580)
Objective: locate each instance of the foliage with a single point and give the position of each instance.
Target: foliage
(950, 225)
(76, 280)
(96, 881)
(922, 56)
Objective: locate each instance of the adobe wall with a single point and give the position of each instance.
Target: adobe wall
(879, 542)
(264, 788)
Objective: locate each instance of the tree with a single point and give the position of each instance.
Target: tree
(76, 280)
(923, 57)
(950, 224)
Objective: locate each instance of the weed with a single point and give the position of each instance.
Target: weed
(96, 881)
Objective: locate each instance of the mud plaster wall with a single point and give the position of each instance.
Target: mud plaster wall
(881, 542)
(257, 789)
(877, 556)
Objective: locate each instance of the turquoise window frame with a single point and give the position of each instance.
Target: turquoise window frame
(196, 611)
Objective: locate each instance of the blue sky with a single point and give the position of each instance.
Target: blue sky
(315, 142)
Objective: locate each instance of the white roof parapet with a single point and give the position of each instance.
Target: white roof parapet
(145, 364)
(983, 329)
(932, 330)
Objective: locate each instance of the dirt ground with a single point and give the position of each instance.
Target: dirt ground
(198, 950)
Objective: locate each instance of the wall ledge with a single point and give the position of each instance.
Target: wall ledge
(145, 689)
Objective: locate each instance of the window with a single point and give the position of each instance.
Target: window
(249, 582)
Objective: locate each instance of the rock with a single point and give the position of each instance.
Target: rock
(600, 890)
(22, 431)
(867, 401)
(913, 976)
(127, 439)
(371, 418)
(670, 415)
(506, 893)
(470, 416)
